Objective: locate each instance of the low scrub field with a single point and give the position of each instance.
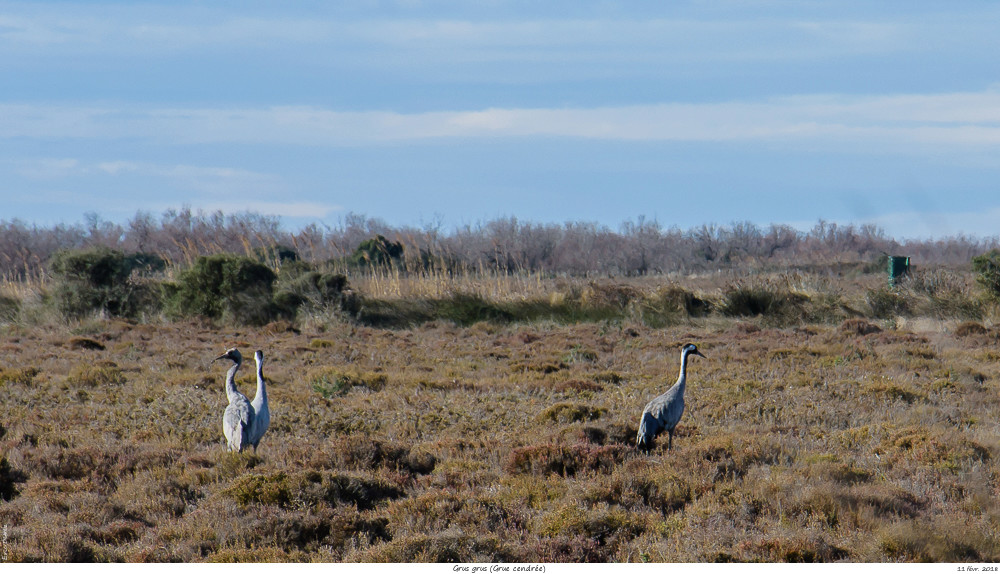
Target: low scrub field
(838, 439)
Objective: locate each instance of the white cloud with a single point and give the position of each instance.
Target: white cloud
(47, 168)
(888, 123)
(217, 181)
(501, 35)
(116, 167)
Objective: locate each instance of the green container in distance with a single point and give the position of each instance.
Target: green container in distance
(898, 266)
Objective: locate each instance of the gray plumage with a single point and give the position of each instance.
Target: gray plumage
(664, 412)
(239, 415)
(262, 412)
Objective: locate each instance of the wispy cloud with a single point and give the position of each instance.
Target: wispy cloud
(893, 123)
(494, 35)
(207, 188)
(206, 179)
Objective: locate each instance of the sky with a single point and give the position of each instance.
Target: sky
(451, 113)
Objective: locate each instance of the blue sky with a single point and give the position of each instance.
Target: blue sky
(420, 112)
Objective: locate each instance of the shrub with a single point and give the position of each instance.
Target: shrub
(331, 383)
(85, 343)
(316, 290)
(106, 281)
(637, 485)
(225, 287)
(364, 453)
(858, 327)
(774, 303)
(927, 541)
(440, 547)
(601, 525)
(884, 303)
(310, 488)
(943, 294)
(466, 309)
(571, 412)
(614, 296)
(793, 550)
(22, 376)
(10, 309)
(987, 268)
(970, 328)
(669, 302)
(565, 460)
(377, 252)
(8, 480)
(280, 254)
(96, 375)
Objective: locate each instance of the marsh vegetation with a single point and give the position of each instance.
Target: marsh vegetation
(491, 416)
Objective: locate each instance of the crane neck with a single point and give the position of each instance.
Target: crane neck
(682, 376)
(231, 390)
(261, 383)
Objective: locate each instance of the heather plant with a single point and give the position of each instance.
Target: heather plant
(502, 441)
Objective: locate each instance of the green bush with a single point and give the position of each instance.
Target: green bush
(377, 252)
(227, 287)
(105, 281)
(316, 290)
(279, 254)
(987, 268)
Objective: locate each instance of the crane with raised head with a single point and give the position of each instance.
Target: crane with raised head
(238, 418)
(663, 412)
(261, 410)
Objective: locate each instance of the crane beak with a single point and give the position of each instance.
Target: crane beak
(222, 356)
(699, 354)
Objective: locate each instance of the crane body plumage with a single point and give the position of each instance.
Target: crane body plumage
(238, 417)
(664, 412)
(262, 411)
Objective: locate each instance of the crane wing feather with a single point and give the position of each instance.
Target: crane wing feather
(236, 422)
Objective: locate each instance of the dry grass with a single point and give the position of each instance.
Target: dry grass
(821, 440)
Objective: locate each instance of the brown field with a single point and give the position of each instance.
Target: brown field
(837, 439)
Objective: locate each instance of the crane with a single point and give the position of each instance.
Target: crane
(262, 413)
(663, 412)
(239, 415)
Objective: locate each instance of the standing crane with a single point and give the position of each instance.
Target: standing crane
(262, 413)
(663, 412)
(239, 416)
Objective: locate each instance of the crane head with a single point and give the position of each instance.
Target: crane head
(232, 354)
(258, 356)
(691, 349)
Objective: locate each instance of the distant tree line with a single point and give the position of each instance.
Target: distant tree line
(504, 245)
